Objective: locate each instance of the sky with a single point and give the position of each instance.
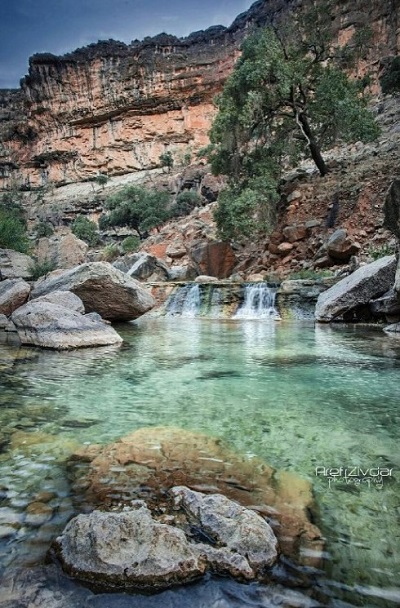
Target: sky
(60, 26)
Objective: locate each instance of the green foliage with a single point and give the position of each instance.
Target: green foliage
(136, 207)
(40, 269)
(130, 244)
(101, 179)
(185, 202)
(380, 252)
(85, 229)
(110, 252)
(43, 229)
(12, 224)
(166, 160)
(390, 79)
(284, 100)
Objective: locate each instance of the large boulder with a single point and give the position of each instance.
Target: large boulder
(14, 265)
(13, 293)
(127, 550)
(51, 325)
(64, 251)
(67, 299)
(130, 549)
(340, 246)
(216, 259)
(146, 464)
(102, 289)
(365, 284)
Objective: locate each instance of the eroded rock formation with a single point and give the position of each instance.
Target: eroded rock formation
(115, 108)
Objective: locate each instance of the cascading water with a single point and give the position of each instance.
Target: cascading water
(184, 301)
(259, 303)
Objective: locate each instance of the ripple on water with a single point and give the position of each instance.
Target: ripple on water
(297, 396)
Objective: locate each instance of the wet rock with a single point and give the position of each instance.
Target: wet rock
(340, 246)
(52, 326)
(38, 513)
(14, 265)
(3, 321)
(238, 530)
(366, 283)
(148, 463)
(64, 251)
(216, 259)
(13, 294)
(128, 550)
(393, 329)
(102, 288)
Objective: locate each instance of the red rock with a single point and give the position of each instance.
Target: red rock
(296, 232)
(216, 259)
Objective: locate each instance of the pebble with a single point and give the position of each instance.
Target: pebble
(38, 513)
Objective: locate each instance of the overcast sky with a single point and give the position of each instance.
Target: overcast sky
(59, 26)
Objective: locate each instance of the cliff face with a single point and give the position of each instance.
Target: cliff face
(115, 108)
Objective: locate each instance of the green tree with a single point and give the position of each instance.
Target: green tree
(85, 229)
(167, 160)
(287, 98)
(13, 233)
(136, 207)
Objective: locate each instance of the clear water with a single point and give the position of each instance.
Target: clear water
(299, 397)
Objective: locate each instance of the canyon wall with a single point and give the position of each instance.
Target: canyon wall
(114, 108)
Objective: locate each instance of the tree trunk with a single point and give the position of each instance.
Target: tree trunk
(312, 144)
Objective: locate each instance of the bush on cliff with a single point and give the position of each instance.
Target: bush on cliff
(287, 98)
(86, 230)
(138, 208)
(12, 225)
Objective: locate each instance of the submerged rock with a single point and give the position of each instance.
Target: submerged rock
(13, 293)
(50, 325)
(359, 288)
(102, 289)
(148, 463)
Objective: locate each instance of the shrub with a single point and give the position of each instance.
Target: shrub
(40, 269)
(379, 252)
(390, 79)
(166, 160)
(130, 244)
(110, 252)
(309, 273)
(12, 225)
(186, 201)
(86, 230)
(43, 229)
(101, 179)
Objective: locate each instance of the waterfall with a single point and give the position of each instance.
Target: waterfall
(259, 303)
(185, 301)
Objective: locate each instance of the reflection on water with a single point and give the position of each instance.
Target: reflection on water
(298, 396)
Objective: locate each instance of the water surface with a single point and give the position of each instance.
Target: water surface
(301, 397)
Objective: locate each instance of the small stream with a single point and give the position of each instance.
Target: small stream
(303, 398)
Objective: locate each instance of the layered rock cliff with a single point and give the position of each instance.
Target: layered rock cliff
(114, 108)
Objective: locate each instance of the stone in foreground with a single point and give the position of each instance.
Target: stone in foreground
(363, 285)
(13, 293)
(146, 464)
(49, 325)
(102, 289)
(132, 550)
(127, 550)
(239, 531)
